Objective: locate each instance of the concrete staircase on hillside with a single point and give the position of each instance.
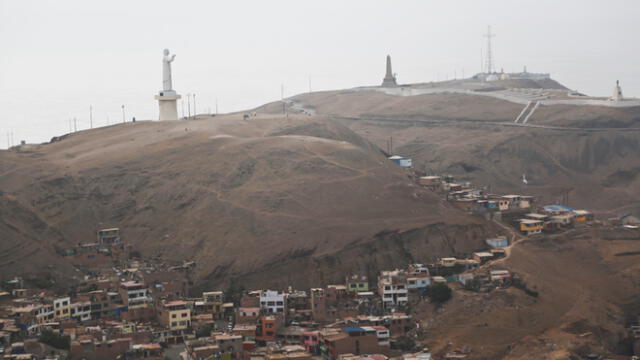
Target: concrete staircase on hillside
(526, 113)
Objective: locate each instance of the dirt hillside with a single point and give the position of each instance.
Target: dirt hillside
(586, 284)
(244, 198)
(588, 152)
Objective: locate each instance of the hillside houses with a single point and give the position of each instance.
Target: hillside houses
(135, 308)
(526, 217)
(551, 218)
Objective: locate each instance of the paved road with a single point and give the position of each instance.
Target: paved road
(479, 122)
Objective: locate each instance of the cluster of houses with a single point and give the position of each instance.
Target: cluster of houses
(551, 218)
(526, 217)
(140, 308)
(475, 200)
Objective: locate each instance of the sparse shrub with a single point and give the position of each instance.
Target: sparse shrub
(234, 292)
(405, 343)
(204, 331)
(42, 282)
(472, 285)
(519, 284)
(439, 293)
(55, 340)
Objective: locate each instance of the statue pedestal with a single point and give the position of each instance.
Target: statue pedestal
(168, 103)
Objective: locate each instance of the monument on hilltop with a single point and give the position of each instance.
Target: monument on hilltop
(389, 78)
(167, 98)
(617, 92)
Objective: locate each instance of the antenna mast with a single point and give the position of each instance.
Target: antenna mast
(489, 61)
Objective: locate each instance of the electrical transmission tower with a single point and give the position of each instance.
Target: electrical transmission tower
(489, 60)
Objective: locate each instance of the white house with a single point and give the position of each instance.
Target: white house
(273, 301)
(392, 288)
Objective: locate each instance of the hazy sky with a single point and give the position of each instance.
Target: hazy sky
(59, 57)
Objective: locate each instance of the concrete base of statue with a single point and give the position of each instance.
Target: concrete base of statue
(168, 103)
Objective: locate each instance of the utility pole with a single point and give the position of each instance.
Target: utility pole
(188, 105)
(70, 126)
(124, 120)
(75, 125)
(91, 116)
(8, 142)
(182, 102)
(194, 106)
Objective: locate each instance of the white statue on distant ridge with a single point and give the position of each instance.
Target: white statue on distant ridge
(166, 70)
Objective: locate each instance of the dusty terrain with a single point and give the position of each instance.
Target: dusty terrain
(305, 199)
(247, 199)
(587, 292)
(587, 279)
(589, 152)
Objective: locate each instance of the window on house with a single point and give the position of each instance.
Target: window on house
(173, 316)
(387, 287)
(184, 315)
(353, 286)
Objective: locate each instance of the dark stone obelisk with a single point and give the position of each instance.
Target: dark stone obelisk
(389, 79)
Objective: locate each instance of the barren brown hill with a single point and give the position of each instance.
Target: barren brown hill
(246, 198)
(586, 283)
(588, 151)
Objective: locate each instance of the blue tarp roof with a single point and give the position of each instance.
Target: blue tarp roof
(352, 329)
(557, 208)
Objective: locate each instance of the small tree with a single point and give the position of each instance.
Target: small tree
(405, 343)
(55, 340)
(204, 331)
(439, 293)
(234, 292)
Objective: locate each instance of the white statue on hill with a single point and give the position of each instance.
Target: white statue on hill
(166, 70)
